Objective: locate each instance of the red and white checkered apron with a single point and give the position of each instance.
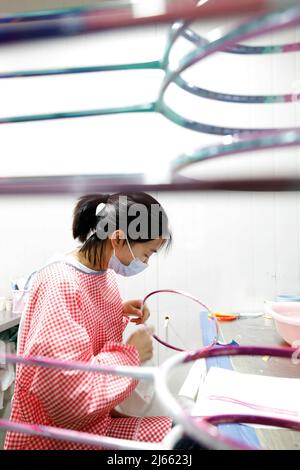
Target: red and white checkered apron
(76, 316)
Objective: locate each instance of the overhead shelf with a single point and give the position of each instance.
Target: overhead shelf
(71, 184)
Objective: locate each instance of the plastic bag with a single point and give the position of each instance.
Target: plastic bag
(141, 398)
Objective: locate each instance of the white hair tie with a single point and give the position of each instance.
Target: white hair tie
(100, 208)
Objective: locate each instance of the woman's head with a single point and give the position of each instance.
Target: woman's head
(127, 225)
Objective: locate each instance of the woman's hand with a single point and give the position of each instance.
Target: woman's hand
(142, 340)
(134, 308)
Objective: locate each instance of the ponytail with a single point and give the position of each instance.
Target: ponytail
(84, 216)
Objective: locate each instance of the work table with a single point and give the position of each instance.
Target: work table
(8, 320)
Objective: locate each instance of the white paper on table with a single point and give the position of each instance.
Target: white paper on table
(194, 380)
(229, 392)
(188, 392)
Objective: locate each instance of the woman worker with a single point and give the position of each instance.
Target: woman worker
(75, 312)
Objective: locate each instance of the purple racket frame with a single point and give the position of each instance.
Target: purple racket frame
(202, 430)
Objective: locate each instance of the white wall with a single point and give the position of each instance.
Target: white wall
(231, 250)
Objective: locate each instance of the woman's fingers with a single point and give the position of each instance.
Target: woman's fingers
(132, 311)
(136, 303)
(132, 308)
(144, 318)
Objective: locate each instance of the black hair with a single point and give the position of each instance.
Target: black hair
(94, 229)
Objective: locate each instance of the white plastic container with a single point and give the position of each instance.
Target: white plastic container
(2, 304)
(19, 299)
(286, 316)
(8, 305)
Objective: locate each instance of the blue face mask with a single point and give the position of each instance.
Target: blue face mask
(135, 267)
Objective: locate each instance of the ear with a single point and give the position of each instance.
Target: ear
(117, 239)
